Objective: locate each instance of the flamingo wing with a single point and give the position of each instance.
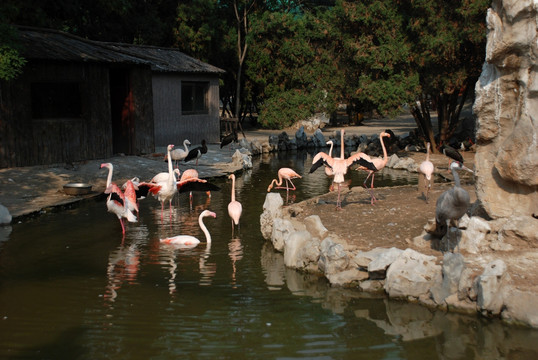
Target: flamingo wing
(321, 159)
(189, 185)
(358, 159)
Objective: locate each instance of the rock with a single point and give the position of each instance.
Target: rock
(282, 228)
(490, 287)
(520, 307)
(412, 274)
(300, 138)
(242, 159)
(319, 139)
(347, 277)
(272, 208)
(453, 266)
(472, 238)
(506, 105)
(378, 266)
(363, 258)
(315, 227)
(301, 251)
(5, 216)
(333, 257)
(520, 231)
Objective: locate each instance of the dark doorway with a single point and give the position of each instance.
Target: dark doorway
(121, 107)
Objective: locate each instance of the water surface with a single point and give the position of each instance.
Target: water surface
(71, 287)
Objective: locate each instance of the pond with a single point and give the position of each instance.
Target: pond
(71, 287)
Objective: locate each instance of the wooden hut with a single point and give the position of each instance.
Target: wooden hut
(79, 99)
(185, 95)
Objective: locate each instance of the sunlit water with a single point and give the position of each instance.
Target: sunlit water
(72, 288)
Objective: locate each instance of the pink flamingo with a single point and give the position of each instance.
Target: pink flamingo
(338, 166)
(165, 188)
(179, 154)
(284, 174)
(426, 168)
(189, 240)
(379, 163)
(234, 207)
(116, 202)
(190, 182)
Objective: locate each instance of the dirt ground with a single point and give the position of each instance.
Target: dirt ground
(399, 214)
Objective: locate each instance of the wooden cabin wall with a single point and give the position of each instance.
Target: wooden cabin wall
(144, 139)
(171, 127)
(46, 141)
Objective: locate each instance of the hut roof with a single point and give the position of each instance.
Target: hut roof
(48, 44)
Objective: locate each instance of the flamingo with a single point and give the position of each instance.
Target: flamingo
(379, 164)
(284, 174)
(196, 153)
(338, 166)
(234, 207)
(166, 187)
(190, 182)
(426, 168)
(451, 204)
(179, 154)
(116, 202)
(189, 240)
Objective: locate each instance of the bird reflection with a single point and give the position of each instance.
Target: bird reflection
(207, 269)
(123, 266)
(235, 253)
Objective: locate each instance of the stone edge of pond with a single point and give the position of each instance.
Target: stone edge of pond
(441, 282)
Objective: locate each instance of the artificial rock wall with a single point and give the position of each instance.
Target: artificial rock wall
(507, 110)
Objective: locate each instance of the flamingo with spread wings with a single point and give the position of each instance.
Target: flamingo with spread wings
(117, 203)
(338, 166)
(378, 164)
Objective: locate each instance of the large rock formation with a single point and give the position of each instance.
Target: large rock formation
(507, 109)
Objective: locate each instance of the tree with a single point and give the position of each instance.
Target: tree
(11, 61)
(292, 67)
(448, 40)
(374, 55)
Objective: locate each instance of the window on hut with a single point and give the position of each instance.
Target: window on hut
(56, 100)
(194, 97)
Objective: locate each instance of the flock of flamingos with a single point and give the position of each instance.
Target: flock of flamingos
(123, 202)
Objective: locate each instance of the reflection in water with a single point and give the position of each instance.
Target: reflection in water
(235, 253)
(124, 263)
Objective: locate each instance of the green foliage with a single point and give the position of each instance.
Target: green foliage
(11, 62)
(290, 65)
(288, 107)
(374, 55)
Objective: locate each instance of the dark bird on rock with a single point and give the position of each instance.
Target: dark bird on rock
(197, 152)
(451, 204)
(228, 139)
(451, 153)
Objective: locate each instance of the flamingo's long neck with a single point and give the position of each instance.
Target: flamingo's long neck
(204, 229)
(109, 177)
(171, 175)
(233, 188)
(385, 158)
(428, 152)
(331, 149)
(342, 143)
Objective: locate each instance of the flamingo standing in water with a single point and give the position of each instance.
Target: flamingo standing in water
(234, 207)
(286, 174)
(189, 240)
(116, 202)
(190, 182)
(165, 188)
(426, 168)
(378, 163)
(338, 166)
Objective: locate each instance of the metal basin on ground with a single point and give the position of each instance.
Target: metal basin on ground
(77, 188)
